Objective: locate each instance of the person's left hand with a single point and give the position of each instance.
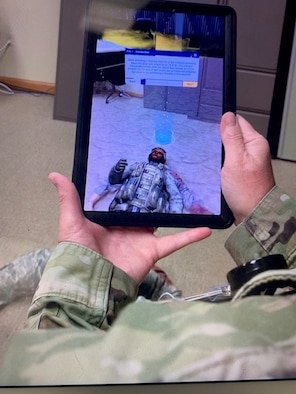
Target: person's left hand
(132, 249)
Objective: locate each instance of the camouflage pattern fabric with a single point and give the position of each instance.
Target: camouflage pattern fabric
(79, 288)
(250, 337)
(21, 276)
(270, 229)
(253, 338)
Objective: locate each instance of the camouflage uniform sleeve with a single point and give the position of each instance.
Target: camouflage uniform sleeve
(270, 229)
(79, 288)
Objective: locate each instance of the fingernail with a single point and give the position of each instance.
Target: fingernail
(230, 119)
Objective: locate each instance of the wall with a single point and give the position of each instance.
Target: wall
(34, 27)
(287, 143)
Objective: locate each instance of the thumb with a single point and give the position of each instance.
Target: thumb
(232, 136)
(69, 202)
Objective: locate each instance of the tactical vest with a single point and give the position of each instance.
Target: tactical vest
(143, 190)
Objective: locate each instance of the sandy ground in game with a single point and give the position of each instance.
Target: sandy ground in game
(124, 129)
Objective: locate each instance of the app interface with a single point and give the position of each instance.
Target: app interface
(157, 102)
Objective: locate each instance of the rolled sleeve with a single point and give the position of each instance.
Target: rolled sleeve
(270, 229)
(79, 288)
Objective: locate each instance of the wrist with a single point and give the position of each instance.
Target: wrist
(252, 203)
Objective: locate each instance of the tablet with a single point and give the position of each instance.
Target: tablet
(154, 86)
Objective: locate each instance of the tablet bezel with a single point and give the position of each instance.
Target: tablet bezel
(225, 219)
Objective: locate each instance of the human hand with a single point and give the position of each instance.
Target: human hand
(134, 250)
(120, 165)
(247, 172)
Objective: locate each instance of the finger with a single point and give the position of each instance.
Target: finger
(171, 243)
(69, 202)
(232, 136)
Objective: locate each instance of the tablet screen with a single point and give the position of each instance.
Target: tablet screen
(151, 109)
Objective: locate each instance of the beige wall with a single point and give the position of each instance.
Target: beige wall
(34, 26)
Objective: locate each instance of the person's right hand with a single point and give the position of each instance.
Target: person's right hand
(247, 174)
(120, 165)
